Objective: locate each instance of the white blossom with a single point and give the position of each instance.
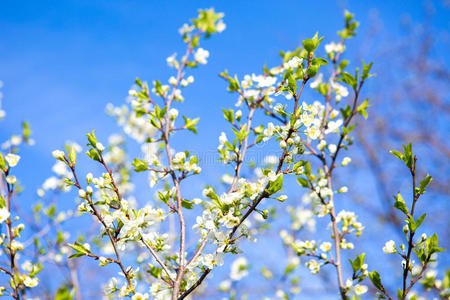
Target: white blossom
(293, 63)
(239, 269)
(361, 289)
(201, 56)
(31, 282)
(346, 161)
(12, 159)
(11, 179)
(333, 47)
(389, 247)
(4, 214)
(325, 246)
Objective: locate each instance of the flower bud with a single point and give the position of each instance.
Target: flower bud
(58, 154)
(343, 189)
(81, 193)
(100, 147)
(172, 80)
(89, 177)
(346, 161)
(89, 190)
(238, 115)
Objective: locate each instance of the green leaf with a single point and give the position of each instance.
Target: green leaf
(289, 268)
(432, 244)
(362, 108)
(292, 83)
(164, 197)
(303, 182)
(319, 61)
(215, 199)
(347, 130)
(400, 204)
(139, 82)
(139, 165)
(358, 262)
(72, 154)
(376, 280)
(446, 280)
(155, 271)
(420, 254)
(346, 112)
(63, 293)
(79, 248)
(229, 115)
(243, 133)
(343, 64)
(398, 154)
(276, 185)
(92, 139)
(349, 79)
(409, 157)
(158, 87)
(187, 204)
(190, 124)
(2, 202)
(207, 20)
(419, 221)
(307, 168)
(266, 273)
(424, 183)
(93, 154)
(195, 41)
(323, 88)
(2, 162)
(366, 70)
(259, 138)
(26, 131)
(234, 84)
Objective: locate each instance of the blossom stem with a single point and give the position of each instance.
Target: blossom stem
(100, 218)
(12, 253)
(411, 232)
(252, 208)
(155, 255)
(179, 209)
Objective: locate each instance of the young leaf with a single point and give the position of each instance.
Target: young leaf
(303, 182)
(140, 165)
(93, 154)
(92, 139)
(420, 220)
(187, 204)
(400, 204)
(72, 154)
(229, 115)
(398, 154)
(424, 183)
(376, 280)
(276, 185)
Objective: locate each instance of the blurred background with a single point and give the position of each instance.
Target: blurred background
(62, 62)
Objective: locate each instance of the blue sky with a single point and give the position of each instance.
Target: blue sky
(63, 61)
